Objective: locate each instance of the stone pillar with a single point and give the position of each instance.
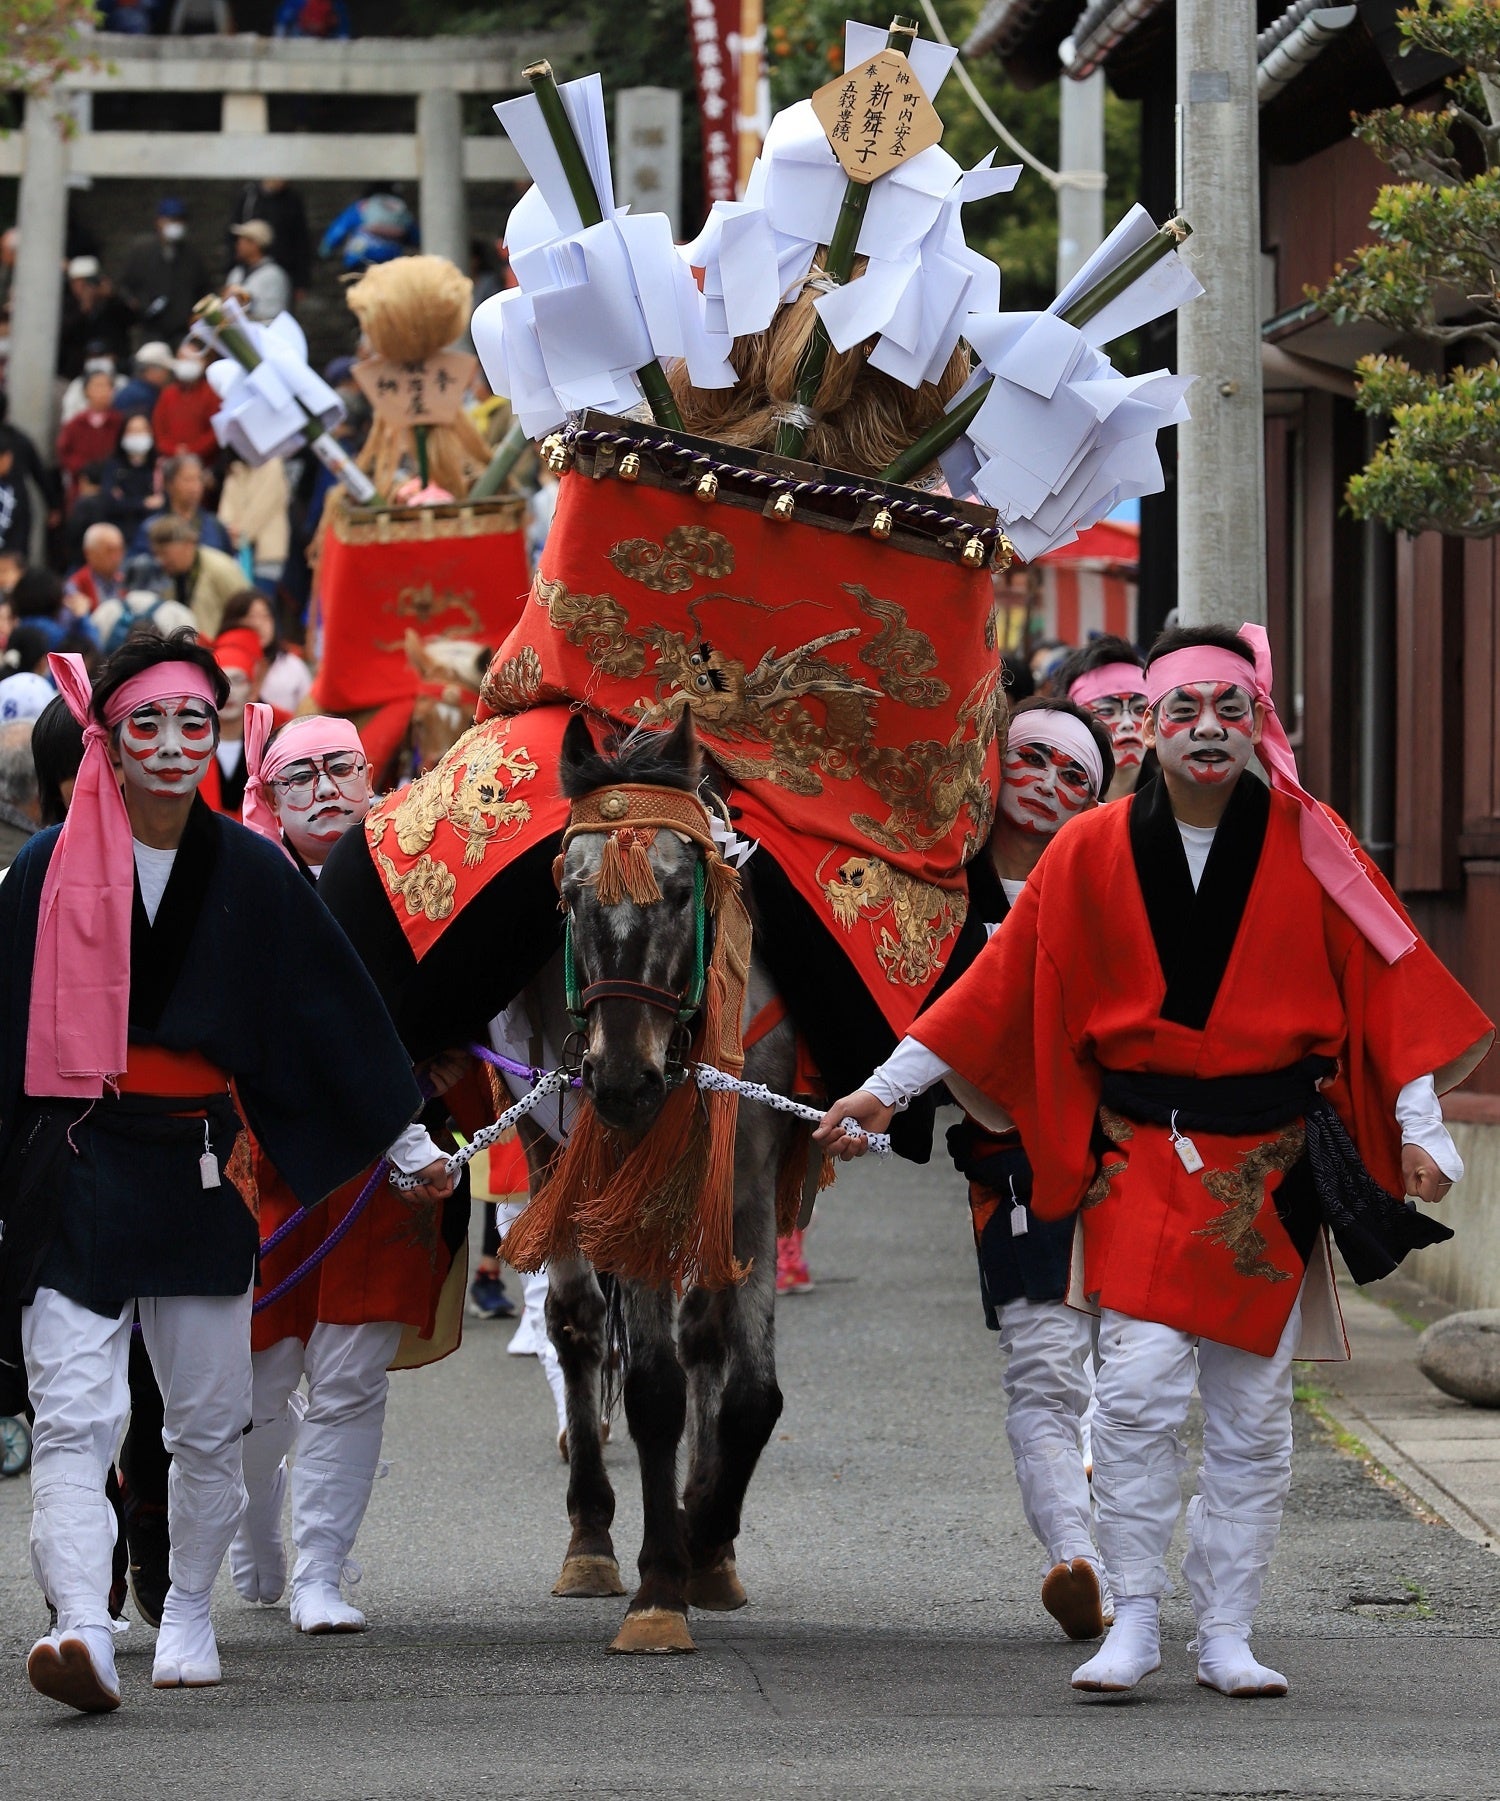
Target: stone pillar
(1080, 209)
(1221, 495)
(36, 293)
(443, 211)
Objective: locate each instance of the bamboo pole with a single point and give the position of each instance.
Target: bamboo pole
(508, 452)
(956, 422)
(651, 376)
(836, 268)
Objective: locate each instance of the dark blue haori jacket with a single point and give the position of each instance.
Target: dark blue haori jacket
(244, 966)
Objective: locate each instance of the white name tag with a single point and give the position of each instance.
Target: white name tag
(1019, 1223)
(1188, 1154)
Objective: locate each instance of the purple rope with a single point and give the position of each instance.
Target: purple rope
(524, 1071)
(334, 1238)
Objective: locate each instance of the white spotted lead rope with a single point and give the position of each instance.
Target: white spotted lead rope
(706, 1076)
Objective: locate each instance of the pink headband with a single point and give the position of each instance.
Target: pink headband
(318, 735)
(79, 1022)
(1202, 663)
(1326, 850)
(1107, 679)
(1060, 731)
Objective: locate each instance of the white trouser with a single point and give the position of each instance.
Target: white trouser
(532, 1331)
(77, 1368)
(1145, 1382)
(1047, 1346)
(338, 1439)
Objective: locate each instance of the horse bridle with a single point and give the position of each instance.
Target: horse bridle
(641, 810)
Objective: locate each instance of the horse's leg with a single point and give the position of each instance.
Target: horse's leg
(729, 1346)
(575, 1324)
(656, 1409)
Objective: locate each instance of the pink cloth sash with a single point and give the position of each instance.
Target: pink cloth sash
(80, 979)
(318, 735)
(1325, 850)
(1108, 678)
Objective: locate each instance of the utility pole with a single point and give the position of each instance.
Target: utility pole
(36, 296)
(1221, 492)
(1080, 204)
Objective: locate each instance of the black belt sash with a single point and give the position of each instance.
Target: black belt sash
(1373, 1229)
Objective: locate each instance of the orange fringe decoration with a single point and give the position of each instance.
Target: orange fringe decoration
(659, 1210)
(625, 870)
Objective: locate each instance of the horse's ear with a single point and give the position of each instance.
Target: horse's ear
(681, 746)
(416, 655)
(577, 744)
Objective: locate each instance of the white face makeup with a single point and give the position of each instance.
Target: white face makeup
(165, 747)
(318, 799)
(1042, 788)
(1123, 716)
(241, 692)
(1206, 733)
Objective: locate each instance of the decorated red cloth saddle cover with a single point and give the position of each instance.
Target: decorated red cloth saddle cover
(847, 686)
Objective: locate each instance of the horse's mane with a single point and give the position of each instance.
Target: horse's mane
(653, 759)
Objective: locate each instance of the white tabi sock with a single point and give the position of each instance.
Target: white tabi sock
(1131, 1651)
(1226, 1663)
(186, 1653)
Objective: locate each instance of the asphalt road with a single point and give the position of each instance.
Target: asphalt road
(893, 1645)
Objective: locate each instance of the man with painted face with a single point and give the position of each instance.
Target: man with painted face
(1057, 765)
(1105, 678)
(341, 1327)
(123, 1159)
(1220, 1036)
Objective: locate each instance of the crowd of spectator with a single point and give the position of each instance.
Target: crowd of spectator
(134, 513)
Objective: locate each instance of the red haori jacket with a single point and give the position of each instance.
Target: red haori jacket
(1075, 986)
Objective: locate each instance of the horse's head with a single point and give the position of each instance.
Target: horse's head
(632, 880)
(449, 672)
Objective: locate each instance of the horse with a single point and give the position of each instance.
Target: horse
(717, 1381)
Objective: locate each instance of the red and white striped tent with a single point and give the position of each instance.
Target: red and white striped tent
(1089, 586)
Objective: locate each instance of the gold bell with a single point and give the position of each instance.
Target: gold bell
(784, 505)
(880, 525)
(556, 455)
(976, 554)
(1005, 553)
(708, 486)
(630, 467)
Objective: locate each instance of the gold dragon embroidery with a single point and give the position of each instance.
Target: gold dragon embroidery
(595, 623)
(517, 684)
(928, 785)
(691, 553)
(1118, 1131)
(1242, 1191)
(902, 656)
(909, 920)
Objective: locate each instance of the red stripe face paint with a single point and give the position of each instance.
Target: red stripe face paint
(1042, 788)
(1123, 716)
(165, 746)
(1205, 732)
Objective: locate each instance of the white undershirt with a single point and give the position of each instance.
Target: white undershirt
(1197, 841)
(153, 870)
(227, 750)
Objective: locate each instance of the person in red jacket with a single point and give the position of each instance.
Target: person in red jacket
(92, 435)
(183, 417)
(1220, 1037)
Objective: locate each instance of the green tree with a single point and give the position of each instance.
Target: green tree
(1432, 275)
(41, 41)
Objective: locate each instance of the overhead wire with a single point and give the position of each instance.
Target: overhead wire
(1090, 180)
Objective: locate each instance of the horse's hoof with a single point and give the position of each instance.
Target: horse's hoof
(717, 1589)
(588, 1578)
(654, 1631)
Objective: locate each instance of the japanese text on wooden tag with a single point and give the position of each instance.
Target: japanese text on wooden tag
(426, 393)
(877, 117)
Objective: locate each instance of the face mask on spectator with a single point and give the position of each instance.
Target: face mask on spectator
(187, 368)
(136, 443)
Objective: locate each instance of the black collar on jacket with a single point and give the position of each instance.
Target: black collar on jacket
(1194, 934)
